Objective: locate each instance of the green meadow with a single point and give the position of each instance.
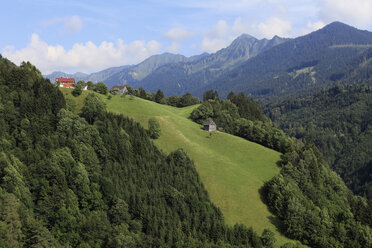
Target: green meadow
(231, 168)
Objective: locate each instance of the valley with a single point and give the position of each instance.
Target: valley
(232, 169)
(117, 153)
(266, 69)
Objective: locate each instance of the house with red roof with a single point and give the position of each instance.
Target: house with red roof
(66, 82)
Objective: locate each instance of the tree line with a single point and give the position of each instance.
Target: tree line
(96, 180)
(311, 202)
(241, 116)
(338, 121)
(158, 97)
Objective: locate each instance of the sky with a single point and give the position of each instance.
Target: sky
(92, 35)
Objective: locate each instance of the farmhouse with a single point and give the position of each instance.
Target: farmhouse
(210, 126)
(122, 89)
(66, 82)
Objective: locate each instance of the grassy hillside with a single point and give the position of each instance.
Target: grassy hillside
(76, 102)
(231, 168)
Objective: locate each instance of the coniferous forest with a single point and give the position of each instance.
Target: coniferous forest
(338, 121)
(241, 116)
(311, 202)
(95, 180)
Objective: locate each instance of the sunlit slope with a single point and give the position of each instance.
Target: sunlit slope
(232, 169)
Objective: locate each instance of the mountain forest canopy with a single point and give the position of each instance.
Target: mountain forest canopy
(241, 116)
(338, 121)
(96, 181)
(176, 74)
(307, 195)
(265, 69)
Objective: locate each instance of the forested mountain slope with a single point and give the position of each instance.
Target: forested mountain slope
(177, 74)
(125, 74)
(97, 181)
(310, 201)
(339, 122)
(298, 66)
(135, 73)
(266, 69)
(189, 76)
(232, 169)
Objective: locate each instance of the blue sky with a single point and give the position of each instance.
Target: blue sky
(87, 36)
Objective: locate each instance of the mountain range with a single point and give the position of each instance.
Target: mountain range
(79, 169)
(165, 67)
(265, 69)
(301, 65)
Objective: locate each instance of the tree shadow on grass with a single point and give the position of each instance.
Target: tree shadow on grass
(278, 224)
(273, 219)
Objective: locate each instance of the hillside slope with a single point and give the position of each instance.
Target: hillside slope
(126, 73)
(339, 122)
(176, 74)
(232, 169)
(188, 76)
(297, 66)
(67, 183)
(94, 77)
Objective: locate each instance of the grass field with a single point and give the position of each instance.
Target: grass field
(77, 101)
(231, 168)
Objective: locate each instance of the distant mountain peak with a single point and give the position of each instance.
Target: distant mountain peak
(246, 36)
(337, 26)
(338, 33)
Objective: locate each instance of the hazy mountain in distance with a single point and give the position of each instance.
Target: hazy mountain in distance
(159, 71)
(264, 68)
(57, 74)
(178, 78)
(297, 66)
(94, 77)
(101, 76)
(127, 73)
(138, 72)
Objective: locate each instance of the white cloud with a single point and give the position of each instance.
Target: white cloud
(356, 12)
(220, 30)
(217, 37)
(273, 26)
(241, 26)
(174, 47)
(213, 45)
(177, 34)
(310, 27)
(315, 26)
(86, 57)
(222, 34)
(71, 24)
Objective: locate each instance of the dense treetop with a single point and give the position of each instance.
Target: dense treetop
(307, 195)
(299, 66)
(338, 121)
(96, 181)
